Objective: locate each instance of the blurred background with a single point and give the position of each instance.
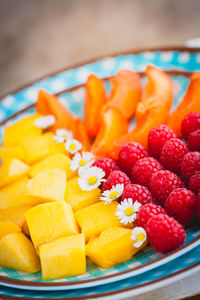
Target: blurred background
(38, 37)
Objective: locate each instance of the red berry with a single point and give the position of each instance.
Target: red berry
(194, 140)
(162, 184)
(181, 205)
(116, 177)
(107, 165)
(128, 155)
(172, 154)
(137, 193)
(165, 233)
(198, 206)
(194, 184)
(157, 138)
(190, 123)
(144, 169)
(190, 164)
(146, 212)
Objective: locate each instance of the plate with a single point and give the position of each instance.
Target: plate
(68, 85)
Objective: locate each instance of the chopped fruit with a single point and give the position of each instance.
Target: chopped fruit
(165, 233)
(181, 204)
(11, 171)
(94, 101)
(146, 212)
(190, 164)
(7, 153)
(116, 177)
(7, 228)
(194, 140)
(80, 133)
(55, 161)
(18, 253)
(198, 206)
(15, 214)
(157, 138)
(64, 257)
(48, 186)
(129, 154)
(162, 184)
(190, 123)
(137, 193)
(114, 246)
(107, 165)
(21, 130)
(172, 154)
(79, 198)
(144, 169)
(194, 184)
(49, 221)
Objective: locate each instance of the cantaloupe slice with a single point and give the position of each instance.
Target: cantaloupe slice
(7, 228)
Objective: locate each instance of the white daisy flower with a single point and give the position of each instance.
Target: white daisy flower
(90, 178)
(62, 135)
(84, 161)
(139, 236)
(114, 193)
(126, 211)
(45, 122)
(73, 146)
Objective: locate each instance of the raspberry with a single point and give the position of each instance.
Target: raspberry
(181, 205)
(137, 192)
(165, 233)
(198, 206)
(107, 165)
(116, 177)
(172, 154)
(157, 138)
(194, 140)
(129, 154)
(194, 184)
(146, 212)
(144, 169)
(190, 164)
(162, 184)
(190, 123)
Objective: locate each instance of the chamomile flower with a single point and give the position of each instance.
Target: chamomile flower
(84, 161)
(73, 146)
(45, 122)
(139, 236)
(126, 211)
(114, 193)
(62, 135)
(90, 178)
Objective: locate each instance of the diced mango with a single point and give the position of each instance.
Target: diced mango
(21, 130)
(12, 170)
(38, 147)
(49, 221)
(57, 160)
(79, 198)
(7, 228)
(18, 253)
(7, 153)
(63, 257)
(48, 186)
(114, 246)
(15, 214)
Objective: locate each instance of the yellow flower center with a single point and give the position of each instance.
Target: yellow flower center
(82, 162)
(129, 211)
(113, 195)
(141, 236)
(72, 147)
(92, 180)
(64, 136)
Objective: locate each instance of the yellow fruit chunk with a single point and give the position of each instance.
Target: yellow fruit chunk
(7, 153)
(15, 214)
(18, 253)
(63, 257)
(57, 160)
(11, 171)
(114, 246)
(38, 147)
(49, 221)
(8, 227)
(48, 186)
(20, 130)
(79, 198)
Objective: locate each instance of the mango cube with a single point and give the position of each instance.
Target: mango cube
(79, 198)
(49, 221)
(8, 227)
(11, 171)
(63, 257)
(7, 153)
(18, 253)
(21, 130)
(15, 214)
